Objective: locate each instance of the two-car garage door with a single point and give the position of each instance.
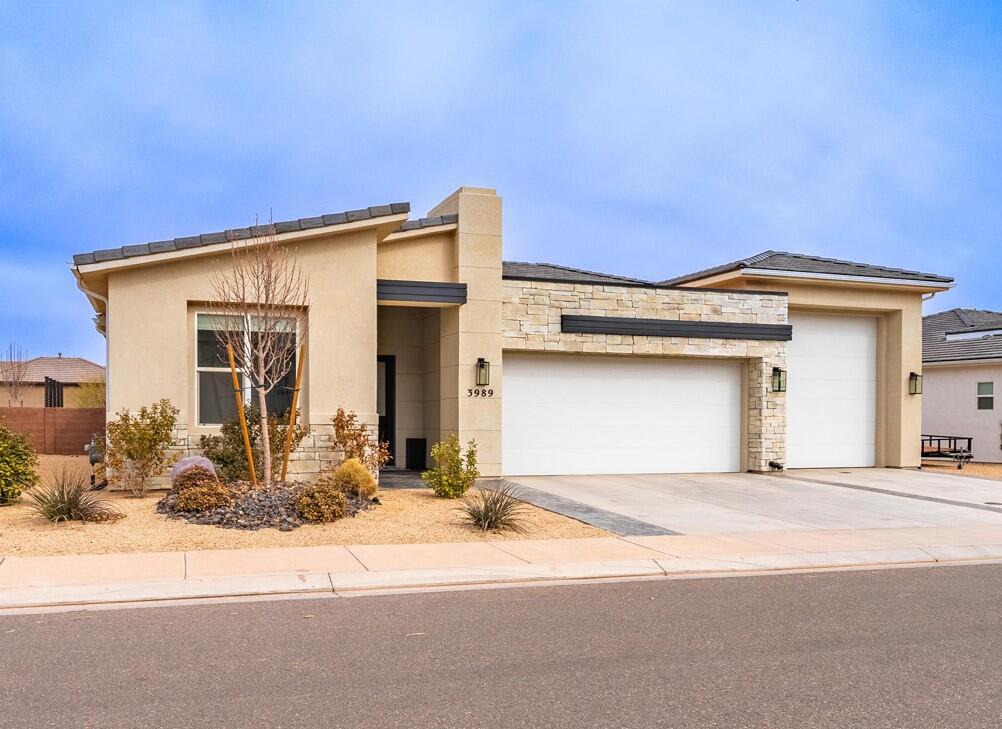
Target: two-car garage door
(567, 414)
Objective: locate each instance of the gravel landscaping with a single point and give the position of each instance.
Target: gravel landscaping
(981, 470)
(254, 509)
(403, 516)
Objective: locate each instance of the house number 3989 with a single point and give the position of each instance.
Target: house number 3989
(480, 392)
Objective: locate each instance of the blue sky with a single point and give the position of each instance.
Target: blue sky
(648, 139)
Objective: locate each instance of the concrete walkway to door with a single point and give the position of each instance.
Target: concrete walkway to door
(734, 503)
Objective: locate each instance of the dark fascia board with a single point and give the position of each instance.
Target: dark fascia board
(636, 285)
(576, 324)
(426, 291)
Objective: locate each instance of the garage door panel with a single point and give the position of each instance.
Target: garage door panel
(831, 391)
(566, 414)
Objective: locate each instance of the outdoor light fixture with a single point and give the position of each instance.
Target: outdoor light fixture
(914, 384)
(483, 372)
(778, 379)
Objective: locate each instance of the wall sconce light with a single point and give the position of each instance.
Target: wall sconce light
(778, 379)
(483, 372)
(914, 384)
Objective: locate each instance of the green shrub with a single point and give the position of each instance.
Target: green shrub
(67, 497)
(208, 495)
(17, 465)
(321, 500)
(227, 451)
(354, 479)
(495, 510)
(139, 445)
(454, 474)
(193, 477)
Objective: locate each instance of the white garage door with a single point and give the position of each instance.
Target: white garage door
(831, 399)
(566, 414)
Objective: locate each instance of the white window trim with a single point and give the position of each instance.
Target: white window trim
(245, 391)
(990, 396)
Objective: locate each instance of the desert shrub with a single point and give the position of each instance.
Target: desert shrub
(209, 494)
(138, 446)
(227, 451)
(67, 497)
(353, 439)
(321, 500)
(454, 474)
(354, 479)
(194, 477)
(91, 395)
(17, 465)
(495, 510)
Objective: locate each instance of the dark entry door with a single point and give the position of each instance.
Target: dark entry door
(386, 401)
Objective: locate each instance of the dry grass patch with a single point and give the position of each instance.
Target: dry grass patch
(982, 470)
(406, 516)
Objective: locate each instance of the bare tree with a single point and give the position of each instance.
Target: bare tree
(260, 298)
(14, 373)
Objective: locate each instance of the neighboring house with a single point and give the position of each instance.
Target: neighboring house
(962, 359)
(69, 377)
(419, 327)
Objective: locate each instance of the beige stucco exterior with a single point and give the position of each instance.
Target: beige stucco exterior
(150, 304)
(950, 406)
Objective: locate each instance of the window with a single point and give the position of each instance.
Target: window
(216, 401)
(986, 396)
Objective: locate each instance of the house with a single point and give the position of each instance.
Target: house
(962, 361)
(419, 327)
(69, 378)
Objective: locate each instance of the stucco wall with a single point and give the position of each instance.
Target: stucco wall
(950, 407)
(531, 322)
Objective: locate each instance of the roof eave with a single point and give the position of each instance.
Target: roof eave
(965, 362)
(922, 285)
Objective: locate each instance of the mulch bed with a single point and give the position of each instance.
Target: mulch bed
(252, 509)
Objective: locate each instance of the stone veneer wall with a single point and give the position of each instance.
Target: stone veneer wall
(531, 322)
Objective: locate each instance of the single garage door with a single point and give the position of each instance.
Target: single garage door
(578, 414)
(831, 399)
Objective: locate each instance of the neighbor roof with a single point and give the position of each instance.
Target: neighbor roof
(234, 234)
(936, 327)
(801, 263)
(63, 369)
(553, 272)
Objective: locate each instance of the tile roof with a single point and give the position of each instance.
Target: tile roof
(429, 222)
(801, 263)
(64, 369)
(224, 236)
(553, 272)
(936, 327)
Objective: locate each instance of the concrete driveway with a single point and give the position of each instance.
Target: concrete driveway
(705, 504)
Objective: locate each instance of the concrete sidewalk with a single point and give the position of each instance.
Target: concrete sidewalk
(39, 582)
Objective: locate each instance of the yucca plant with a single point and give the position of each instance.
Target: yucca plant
(67, 496)
(496, 510)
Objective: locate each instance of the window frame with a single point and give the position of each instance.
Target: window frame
(245, 389)
(989, 398)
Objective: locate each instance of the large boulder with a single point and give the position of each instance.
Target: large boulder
(190, 462)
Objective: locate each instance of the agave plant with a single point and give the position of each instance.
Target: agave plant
(495, 510)
(67, 496)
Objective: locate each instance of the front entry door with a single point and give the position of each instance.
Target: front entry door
(386, 401)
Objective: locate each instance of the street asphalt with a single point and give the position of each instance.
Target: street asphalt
(886, 648)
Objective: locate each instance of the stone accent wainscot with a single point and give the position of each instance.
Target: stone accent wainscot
(532, 313)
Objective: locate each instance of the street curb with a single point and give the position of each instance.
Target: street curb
(359, 583)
